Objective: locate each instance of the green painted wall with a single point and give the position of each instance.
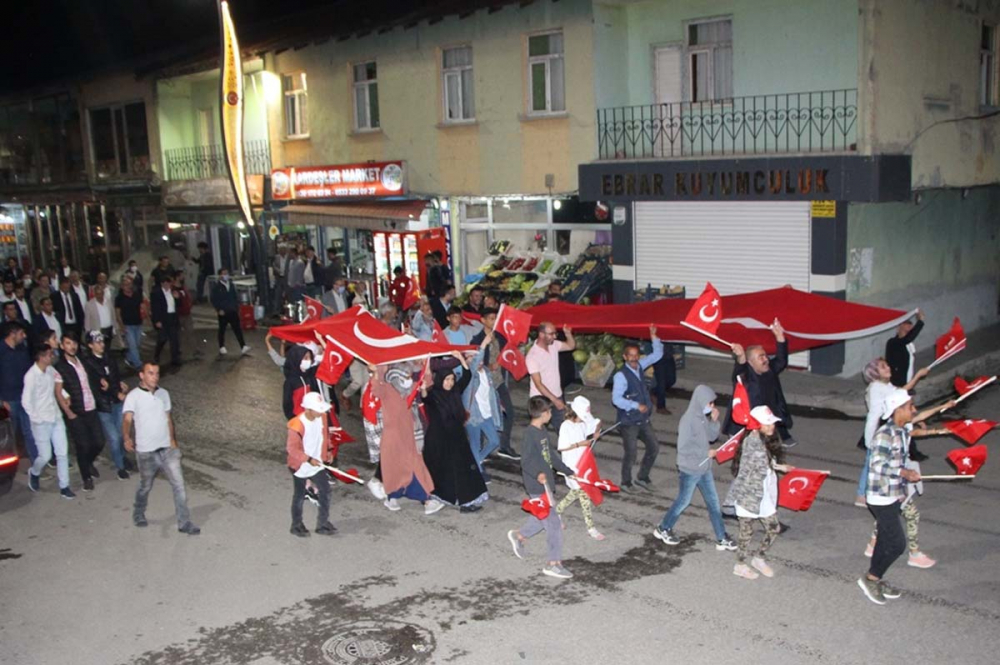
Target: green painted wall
(778, 45)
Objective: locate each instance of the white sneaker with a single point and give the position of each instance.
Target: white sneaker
(431, 506)
(762, 567)
(392, 505)
(745, 571)
(377, 489)
(595, 534)
(222, 351)
(246, 349)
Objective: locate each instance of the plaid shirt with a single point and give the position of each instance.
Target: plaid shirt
(889, 447)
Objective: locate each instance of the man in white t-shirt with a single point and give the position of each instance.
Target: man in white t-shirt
(155, 446)
(543, 366)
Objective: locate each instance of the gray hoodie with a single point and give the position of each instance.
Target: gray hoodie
(696, 431)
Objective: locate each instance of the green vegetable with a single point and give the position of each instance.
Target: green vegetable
(580, 356)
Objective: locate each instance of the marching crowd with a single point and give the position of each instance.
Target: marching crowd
(430, 426)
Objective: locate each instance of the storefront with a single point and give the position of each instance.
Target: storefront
(742, 224)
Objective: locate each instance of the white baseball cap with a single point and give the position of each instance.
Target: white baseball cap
(581, 407)
(764, 415)
(893, 401)
(314, 402)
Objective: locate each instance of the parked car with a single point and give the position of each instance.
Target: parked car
(8, 451)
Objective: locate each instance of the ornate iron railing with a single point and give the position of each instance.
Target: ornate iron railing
(824, 121)
(209, 161)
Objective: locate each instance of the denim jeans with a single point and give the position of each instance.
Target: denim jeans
(706, 485)
(111, 421)
(133, 337)
(481, 450)
(23, 423)
(168, 459)
(630, 436)
(863, 480)
(51, 438)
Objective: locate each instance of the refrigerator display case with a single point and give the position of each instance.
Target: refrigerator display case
(406, 249)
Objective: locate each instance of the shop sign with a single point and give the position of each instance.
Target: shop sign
(619, 216)
(824, 209)
(272, 232)
(343, 181)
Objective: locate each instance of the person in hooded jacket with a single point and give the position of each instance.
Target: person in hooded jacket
(447, 454)
(300, 378)
(699, 426)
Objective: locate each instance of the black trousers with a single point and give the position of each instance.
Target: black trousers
(321, 481)
(630, 438)
(169, 332)
(230, 319)
(88, 439)
(891, 541)
(665, 374)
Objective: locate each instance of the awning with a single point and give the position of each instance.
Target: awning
(375, 216)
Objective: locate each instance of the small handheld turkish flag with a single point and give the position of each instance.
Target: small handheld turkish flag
(586, 469)
(950, 343)
(411, 296)
(964, 388)
(512, 360)
(539, 507)
(968, 460)
(370, 405)
(741, 406)
(348, 476)
(513, 324)
(338, 434)
(314, 310)
(798, 489)
(970, 431)
(334, 363)
(727, 451)
(438, 336)
(706, 313)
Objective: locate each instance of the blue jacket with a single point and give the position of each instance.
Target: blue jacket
(469, 395)
(14, 364)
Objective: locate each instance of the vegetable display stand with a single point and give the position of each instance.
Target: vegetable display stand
(650, 294)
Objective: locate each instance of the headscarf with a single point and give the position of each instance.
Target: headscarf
(293, 358)
(398, 378)
(870, 372)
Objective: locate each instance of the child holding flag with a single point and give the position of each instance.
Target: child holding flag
(538, 458)
(575, 434)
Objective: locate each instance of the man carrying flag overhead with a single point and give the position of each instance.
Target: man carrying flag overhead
(900, 350)
(760, 377)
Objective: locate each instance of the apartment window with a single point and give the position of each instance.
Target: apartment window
(989, 79)
(459, 101)
(366, 115)
(119, 140)
(296, 105)
(710, 60)
(546, 71)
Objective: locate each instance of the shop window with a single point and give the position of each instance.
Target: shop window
(520, 212)
(989, 78)
(296, 105)
(366, 112)
(459, 102)
(119, 140)
(710, 60)
(546, 73)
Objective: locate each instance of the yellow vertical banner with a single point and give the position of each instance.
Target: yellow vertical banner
(231, 110)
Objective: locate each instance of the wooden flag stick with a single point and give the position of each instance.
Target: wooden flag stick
(706, 333)
(946, 355)
(345, 474)
(977, 388)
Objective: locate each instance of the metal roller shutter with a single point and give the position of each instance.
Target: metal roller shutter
(737, 246)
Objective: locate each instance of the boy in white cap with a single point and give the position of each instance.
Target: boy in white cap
(309, 448)
(755, 493)
(576, 434)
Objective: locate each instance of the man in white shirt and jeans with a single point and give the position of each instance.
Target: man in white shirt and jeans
(155, 446)
(38, 399)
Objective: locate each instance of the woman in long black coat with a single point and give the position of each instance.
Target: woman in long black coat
(457, 480)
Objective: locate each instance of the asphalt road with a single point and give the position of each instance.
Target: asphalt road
(80, 584)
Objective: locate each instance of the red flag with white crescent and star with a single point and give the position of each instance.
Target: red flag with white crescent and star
(963, 387)
(951, 342)
(411, 296)
(741, 406)
(970, 431)
(512, 360)
(967, 461)
(586, 468)
(727, 451)
(798, 489)
(539, 506)
(335, 362)
(513, 324)
(370, 405)
(314, 310)
(706, 313)
(338, 434)
(438, 335)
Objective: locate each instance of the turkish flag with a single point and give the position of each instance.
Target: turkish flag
(370, 405)
(314, 310)
(416, 389)
(970, 431)
(539, 507)
(727, 451)
(411, 296)
(471, 318)
(741, 406)
(512, 360)
(964, 387)
(586, 469)
(438, 335)
(706, 313)
(335, 362)
(951, 342)
(968, 460)
(343, 476)
(798, 489)
(513, 324)
(338, 434)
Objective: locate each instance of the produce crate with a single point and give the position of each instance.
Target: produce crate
(598, 370)
(649, 294)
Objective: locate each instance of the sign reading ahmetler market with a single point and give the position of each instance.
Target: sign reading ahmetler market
(339, 182)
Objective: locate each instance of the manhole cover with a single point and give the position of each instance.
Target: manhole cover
(379, 643)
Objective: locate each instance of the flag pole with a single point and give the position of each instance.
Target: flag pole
(977, 388)
(706, 333)
(345, 474)
(730, 440)
(585, 482)
(948, 477)
(946, 355)
(603, 432)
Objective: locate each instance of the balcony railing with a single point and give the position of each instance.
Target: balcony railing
(209, 161)
(794, 122)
